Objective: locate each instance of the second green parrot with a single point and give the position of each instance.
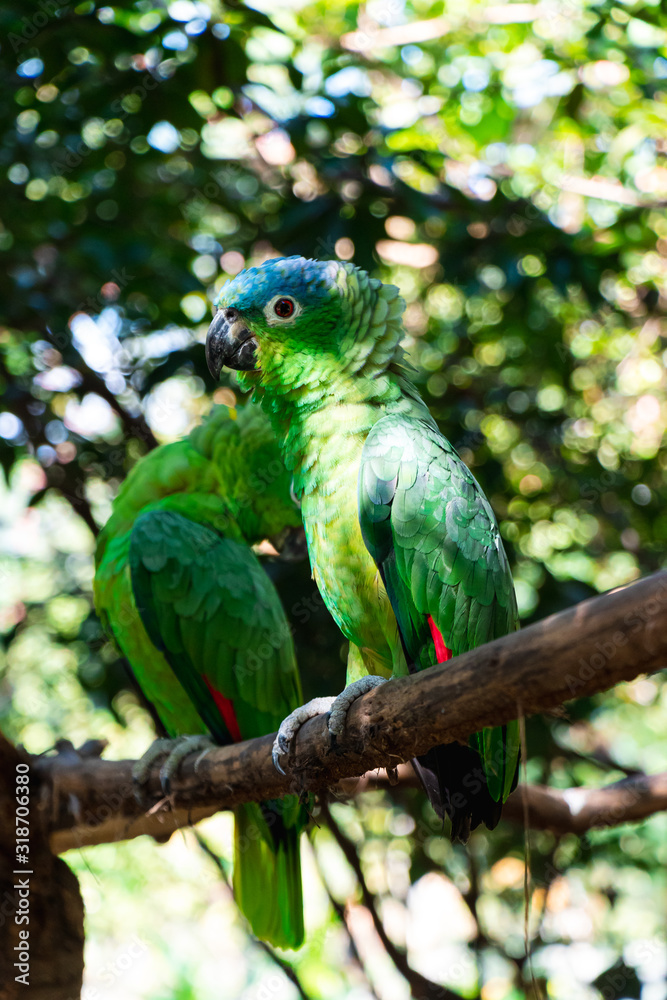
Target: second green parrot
(189, 605)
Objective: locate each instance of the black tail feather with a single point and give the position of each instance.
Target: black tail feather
(454, 780)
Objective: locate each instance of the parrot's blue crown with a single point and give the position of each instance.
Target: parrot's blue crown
(304, 321)
(297, 276)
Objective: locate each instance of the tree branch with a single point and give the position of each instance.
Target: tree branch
(561, 810)
(577, 810)
(264, 946)
(92, 381)
(421, 988)
(575, 653)
(135, 427)
(342, 915)
(68, 480)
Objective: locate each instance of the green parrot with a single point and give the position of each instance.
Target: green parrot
(403, 544)
(187, 602)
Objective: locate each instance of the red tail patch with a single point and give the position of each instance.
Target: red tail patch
(226, 709)
(441, 651)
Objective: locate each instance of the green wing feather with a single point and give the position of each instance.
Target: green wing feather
(210, 608)
(208, 605)
(187, 603)
(433, 535)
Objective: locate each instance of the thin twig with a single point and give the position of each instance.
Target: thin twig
(341, 915)
(72, 490)
(134, 426)
(471, 896)
(421, 988)
(526, 860)
(283, 965)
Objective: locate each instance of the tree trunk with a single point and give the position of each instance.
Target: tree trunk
(41, 911)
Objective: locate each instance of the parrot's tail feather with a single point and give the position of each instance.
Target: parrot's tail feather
(267, 873)
(454, 780)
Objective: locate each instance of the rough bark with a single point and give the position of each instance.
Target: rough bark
(575, 653)
(567, 810)
(561, 810)
(578, 810)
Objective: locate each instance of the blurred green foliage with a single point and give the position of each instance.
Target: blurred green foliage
(505, 165)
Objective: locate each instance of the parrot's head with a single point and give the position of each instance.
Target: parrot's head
(293, 322)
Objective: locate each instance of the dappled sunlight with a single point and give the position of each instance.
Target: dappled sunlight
(503, 164)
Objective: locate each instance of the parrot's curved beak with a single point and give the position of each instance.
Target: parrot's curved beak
(229, 342)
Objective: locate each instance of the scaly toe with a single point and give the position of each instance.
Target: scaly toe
(344, 701)
(142, 768)
(291, 725)
(183, 747)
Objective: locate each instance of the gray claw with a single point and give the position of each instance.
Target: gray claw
(184, 746)
(275, 757)
(281, 748)
(138, 792)
(142, 768)
(174, 751)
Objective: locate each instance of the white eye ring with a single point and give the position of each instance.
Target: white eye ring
(272, 317)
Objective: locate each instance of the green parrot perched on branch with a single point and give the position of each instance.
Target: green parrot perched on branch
(403, 544)
(189, 605)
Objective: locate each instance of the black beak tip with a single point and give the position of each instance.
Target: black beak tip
(229, 342)
(215, 353)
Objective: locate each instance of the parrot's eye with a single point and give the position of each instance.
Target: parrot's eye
(284, 308)
(281, 308)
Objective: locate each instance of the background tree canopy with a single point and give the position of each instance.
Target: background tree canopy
(504, 165)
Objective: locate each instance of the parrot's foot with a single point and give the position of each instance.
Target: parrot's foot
(142, 768)
(289, 727)
(174, 751)
(337, 708)
(341, 705)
